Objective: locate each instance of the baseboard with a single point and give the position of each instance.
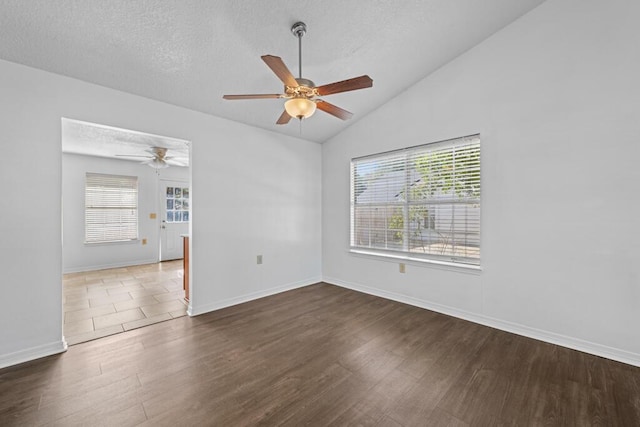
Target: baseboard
(106, 266)
(541, 335)
(32, 353)
(207, 308)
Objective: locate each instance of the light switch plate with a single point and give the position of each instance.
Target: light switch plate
(259, 259)
(152, 216)
(402, 267)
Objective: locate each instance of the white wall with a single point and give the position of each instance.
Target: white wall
(253, 192)
(556, 99)
(76, 255)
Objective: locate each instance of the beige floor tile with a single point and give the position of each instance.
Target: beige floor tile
(105, 286)
(99, 299)
(163, 307)
(74, 316)
(146, 321)
(123, 289)
(150, 284)
(97, 302)
(178, 313)
(75, 293)
(172, 287)
(114, 279)
(118, 318)
(100, 276)
(78, 304)
(170, 296)
(73, 277)
(97, 293)
(79, 327)
(88, 336)
(156, 290)
(134, 303)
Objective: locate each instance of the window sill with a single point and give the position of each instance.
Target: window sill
(451, 266)
(114, 242)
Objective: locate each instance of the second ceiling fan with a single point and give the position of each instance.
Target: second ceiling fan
(302, 94)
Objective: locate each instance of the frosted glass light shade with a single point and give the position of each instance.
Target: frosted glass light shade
(157, 163)
(300, 107)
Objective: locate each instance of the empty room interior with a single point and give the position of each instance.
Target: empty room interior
(417, 213)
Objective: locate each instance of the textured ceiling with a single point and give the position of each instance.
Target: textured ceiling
(104, 141)
(190, 53)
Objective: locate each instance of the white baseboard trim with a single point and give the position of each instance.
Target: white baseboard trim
(538, 334)
(32, 353)
(207, 308)
(79, 269)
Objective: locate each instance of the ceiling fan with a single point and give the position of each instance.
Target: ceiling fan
(158, 158)
(302, 94)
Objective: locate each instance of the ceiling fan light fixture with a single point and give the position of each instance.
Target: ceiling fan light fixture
(157, 163)
(300, 108)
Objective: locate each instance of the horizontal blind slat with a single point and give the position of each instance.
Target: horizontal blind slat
(111, 208)
(435, 188)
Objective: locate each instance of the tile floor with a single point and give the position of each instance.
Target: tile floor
(105, 302)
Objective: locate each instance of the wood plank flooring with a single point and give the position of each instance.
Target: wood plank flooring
(320, 355)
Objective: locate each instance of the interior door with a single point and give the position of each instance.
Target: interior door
(174, 218)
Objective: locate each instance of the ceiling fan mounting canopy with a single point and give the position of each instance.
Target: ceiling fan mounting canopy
(302, 94)
(299, 29)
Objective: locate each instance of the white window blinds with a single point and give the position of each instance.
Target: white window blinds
(419, 202)
(111, 208)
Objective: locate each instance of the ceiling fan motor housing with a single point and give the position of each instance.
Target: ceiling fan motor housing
(306, 89)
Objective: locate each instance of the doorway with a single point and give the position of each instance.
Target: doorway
(114, 282)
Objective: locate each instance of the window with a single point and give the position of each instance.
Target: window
(111, 208)
(177, 199)
(419, 203)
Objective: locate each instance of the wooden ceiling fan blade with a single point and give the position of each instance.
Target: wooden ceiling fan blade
(355, 83)
(277, 66)
(284, 118)
(333, 110)
(255, 96)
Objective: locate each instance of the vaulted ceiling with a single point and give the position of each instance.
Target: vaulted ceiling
(190, 53)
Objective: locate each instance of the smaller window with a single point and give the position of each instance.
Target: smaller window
(111, 208)
(177, 199)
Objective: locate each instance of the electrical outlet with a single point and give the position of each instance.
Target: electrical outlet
(259, 259)
(144, 241)
(402, 267)
(152, 216)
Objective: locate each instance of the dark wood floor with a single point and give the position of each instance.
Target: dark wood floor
(321, 355)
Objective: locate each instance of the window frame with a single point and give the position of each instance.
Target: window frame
(452, 200)
(92, 185)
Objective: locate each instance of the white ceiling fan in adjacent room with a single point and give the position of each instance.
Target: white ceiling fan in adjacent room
(157, 159)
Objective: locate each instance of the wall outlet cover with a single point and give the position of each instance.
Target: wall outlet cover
(402, 267)
(259, 259)
(152, 216)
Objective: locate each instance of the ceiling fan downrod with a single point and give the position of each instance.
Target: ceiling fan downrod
(299, 29)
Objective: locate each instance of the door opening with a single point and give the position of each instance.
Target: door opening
(115, 282)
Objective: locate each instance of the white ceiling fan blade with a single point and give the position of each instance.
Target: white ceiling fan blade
(174, 162)
(133, 155)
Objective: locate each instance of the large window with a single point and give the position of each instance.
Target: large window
(421, 202)
(111, 208)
